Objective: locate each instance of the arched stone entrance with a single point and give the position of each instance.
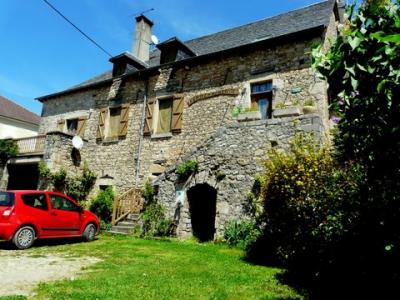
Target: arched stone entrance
(202, 200)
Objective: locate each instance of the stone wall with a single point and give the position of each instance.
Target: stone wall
(210, 88)
(237, 151)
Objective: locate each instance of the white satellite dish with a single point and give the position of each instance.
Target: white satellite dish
(154, 39)
(77, 142)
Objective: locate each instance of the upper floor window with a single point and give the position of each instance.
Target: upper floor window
(261, 98)
(113, 122)
(164, 116)
(74, 126)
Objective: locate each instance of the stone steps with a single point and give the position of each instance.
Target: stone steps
(125, 226)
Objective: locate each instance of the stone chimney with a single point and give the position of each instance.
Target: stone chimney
(141, 44)
(341, 5)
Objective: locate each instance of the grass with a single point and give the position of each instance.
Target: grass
(162, 269)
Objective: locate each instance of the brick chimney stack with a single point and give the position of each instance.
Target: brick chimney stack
(141, 44)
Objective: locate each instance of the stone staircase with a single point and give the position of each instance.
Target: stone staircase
(125, 226)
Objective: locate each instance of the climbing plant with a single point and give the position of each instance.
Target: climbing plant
(8, 148)
(78, 187)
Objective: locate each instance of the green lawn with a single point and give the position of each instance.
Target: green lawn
(150, 269)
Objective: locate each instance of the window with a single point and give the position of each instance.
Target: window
(72, 126)
(58, 202)
(35, 200)
(261, 98)
(164, 115)
(6, 199)
(168, 116)
(75, 126)
(113, 121)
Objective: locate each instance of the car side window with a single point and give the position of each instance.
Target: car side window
(61, 203)
(35, 200)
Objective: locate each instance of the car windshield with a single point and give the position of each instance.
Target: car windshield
(6, 199)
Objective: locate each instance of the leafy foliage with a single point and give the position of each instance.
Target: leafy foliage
(241, 234)
(148, 192)
(311, 205)
(155, 222)
(77, 187)
(8, 148)
(102, 205)
(186, 169)
(327, 214)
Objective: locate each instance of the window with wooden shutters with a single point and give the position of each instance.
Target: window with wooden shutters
(123, 122)
(114, 122)
(81, 126)
(177, 112)
(72, 126)
(164, 117)
(101, 126)
(60, 125)
(148, 125)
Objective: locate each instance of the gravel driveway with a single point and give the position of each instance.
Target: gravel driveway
(21, 271)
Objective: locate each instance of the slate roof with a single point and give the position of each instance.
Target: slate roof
(12, 110)
(312, 16)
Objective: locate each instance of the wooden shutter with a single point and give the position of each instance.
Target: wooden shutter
(101, 126)
(81, 126)
(60, 125)
(148, 124)
(123, 122)
(177, 112)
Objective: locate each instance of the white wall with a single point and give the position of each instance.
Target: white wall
(16, 129)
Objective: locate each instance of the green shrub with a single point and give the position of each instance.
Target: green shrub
(155, 222)
(241, 234)
(102, 204)
(186, 169)
(78, 187)
(148, 192)
(8, 148)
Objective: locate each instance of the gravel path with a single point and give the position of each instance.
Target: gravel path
(21, 271)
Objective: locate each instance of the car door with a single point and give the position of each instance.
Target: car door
(35, 210)
(65, 216)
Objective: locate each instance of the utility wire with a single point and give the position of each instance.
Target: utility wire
(76, 27)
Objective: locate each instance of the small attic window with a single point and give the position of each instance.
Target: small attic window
(119, 69)
(174, 50)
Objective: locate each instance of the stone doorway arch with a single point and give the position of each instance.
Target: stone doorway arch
(202, 199)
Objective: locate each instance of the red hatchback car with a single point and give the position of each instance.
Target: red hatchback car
(28, 215)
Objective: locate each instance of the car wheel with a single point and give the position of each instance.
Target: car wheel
(89, 233)
(24, 237)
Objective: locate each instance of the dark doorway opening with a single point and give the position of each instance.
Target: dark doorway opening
(202, 206)
(23, 176)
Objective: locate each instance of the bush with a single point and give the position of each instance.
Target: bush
(186, 169)
(241, 234)
(102, 204)
(8, 148)
(155, 222)
(77, 187)
(148, 192)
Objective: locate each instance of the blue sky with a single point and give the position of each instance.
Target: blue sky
(41, 54)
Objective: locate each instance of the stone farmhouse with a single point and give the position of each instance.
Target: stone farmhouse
(221, 100)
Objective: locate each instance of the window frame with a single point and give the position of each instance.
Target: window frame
(156, 115)
(41, 207)
(254, 97)
(76, 207)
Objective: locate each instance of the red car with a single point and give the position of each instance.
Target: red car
(28, 215)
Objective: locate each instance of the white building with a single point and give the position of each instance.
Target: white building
(16, 121)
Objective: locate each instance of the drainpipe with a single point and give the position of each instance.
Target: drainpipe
(139, 152)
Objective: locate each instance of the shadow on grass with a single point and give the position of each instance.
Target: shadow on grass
(8, 245)
(343, 277)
